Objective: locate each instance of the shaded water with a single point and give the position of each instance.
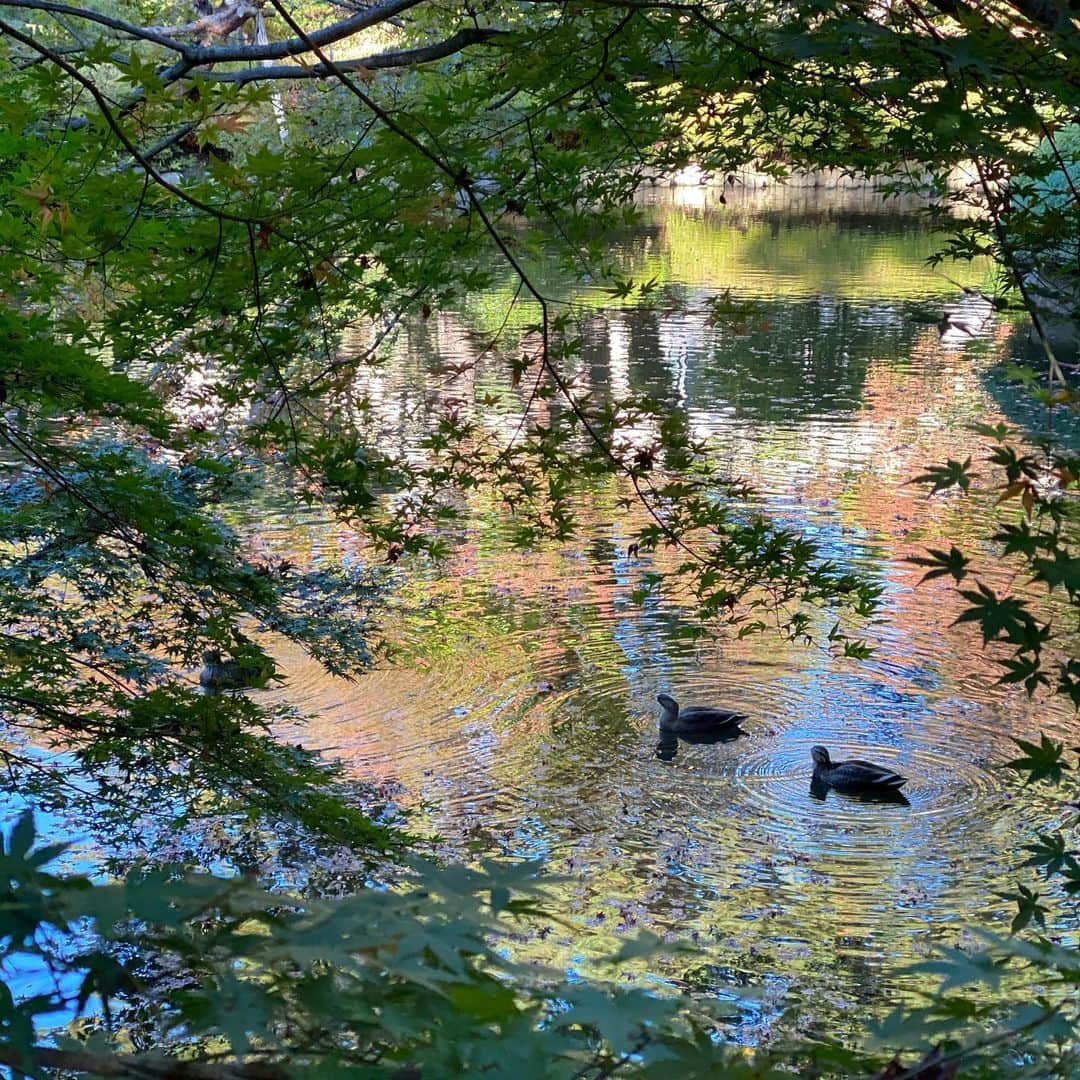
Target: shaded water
(519, 716)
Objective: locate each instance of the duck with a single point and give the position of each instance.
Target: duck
(697, 720)
(219, 674)
(853, 774)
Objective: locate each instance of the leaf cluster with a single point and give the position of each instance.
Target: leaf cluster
(412, 977)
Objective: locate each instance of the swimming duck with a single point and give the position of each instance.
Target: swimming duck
(698, 720)
(218, 674)
(853, 775)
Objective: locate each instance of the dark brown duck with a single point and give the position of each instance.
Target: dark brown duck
(697, 720)
(853, 774)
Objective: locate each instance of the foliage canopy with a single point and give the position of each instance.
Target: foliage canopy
(211, 225)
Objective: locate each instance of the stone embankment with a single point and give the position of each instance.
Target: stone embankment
(836, 179)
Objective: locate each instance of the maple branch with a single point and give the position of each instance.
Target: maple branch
(114, 125)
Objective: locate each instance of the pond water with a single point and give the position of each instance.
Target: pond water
(519, 715)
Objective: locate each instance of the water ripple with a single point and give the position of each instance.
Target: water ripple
(520, 715)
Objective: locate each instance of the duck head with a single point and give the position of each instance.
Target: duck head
(670, 709)
(820, 756)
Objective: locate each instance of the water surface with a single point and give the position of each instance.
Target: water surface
(519, 716)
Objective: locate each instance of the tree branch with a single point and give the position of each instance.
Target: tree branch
(213, 54)
(295, 46)
(400, 58)
(107, 115)
(218, 23)
(147, 33)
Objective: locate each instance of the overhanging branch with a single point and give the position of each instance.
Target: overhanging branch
(146, 33)
(380, 61)
(295, 46)
(218, 24)
(198, 55)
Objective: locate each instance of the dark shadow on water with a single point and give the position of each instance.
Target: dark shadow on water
(1018, 401)
(668, 746)
(820, 791)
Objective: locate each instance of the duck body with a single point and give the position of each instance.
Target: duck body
(697, 720)
(219, 674)
(853, 774)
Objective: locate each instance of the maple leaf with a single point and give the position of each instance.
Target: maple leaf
(233, 123)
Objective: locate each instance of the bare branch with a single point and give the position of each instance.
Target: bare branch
(220, 23)
(213, 54)
(317, 39)
(396, 59)
(89, 15)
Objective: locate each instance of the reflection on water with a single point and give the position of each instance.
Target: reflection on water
(821, 791)
(668, 746)
(520, 713)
